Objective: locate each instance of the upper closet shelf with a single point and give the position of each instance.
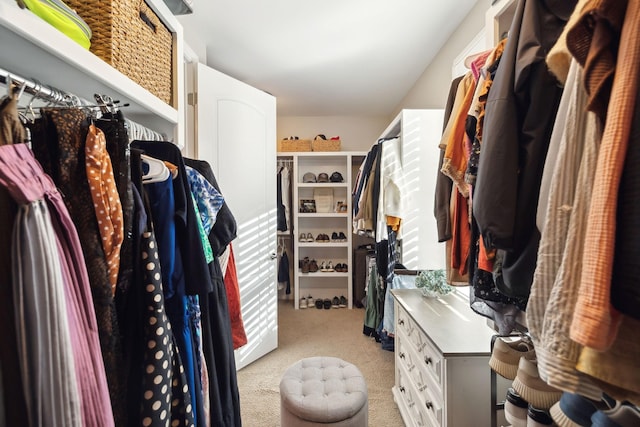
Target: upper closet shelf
(32, 48)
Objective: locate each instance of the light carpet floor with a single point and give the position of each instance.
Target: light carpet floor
(312, 332)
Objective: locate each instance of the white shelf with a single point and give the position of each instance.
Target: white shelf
(33, 49)
(324, 284)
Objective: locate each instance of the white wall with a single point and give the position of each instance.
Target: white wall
(357, 133)
(429, 91)
(432, 88)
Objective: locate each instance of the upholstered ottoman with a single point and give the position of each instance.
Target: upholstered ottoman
(323, 391)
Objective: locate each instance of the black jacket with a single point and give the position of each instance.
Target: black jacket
(520, 114)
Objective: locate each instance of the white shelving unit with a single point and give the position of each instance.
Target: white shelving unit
(323, 284)
(420, 132)
(33, 49)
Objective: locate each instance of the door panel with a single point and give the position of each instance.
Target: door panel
(236, 135)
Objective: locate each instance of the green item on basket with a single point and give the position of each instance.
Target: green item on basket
(63, 18)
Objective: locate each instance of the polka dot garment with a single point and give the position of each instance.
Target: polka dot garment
(165, 400)
(106, 200)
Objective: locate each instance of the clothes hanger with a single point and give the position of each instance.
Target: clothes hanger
(158, 171)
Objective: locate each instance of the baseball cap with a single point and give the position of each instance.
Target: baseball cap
(308, 177)
(336, 177)
(323, 177)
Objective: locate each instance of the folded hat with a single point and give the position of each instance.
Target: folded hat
(506, 355)
(323, 177)
(309, 177)
(336, 177)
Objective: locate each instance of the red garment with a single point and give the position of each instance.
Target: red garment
(233, 299)
(461, 233)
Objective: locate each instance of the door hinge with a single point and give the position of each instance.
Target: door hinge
(192, 98)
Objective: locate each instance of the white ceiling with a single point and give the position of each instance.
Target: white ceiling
(324, 58)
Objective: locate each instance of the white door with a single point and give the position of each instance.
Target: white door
(236, 134)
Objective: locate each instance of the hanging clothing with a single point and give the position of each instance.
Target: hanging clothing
(11, 132)
(283, 272)
(554, 291)
(520, 110)
(57, 138)
(20, 170)
(281, 223)
(105, 200)
(238, 334)
(209, 200)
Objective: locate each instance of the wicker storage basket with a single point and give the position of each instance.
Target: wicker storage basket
(325, 145)
(128, 35)
(294, 145)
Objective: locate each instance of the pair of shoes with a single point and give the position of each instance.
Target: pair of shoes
(338, 237)
(319, 304)
(292, 138)
(532, 388)
(574, 409)
(326, 268)
(506, 355)
(341, 268)
(519, 413)
(308, 237)
(326, 303)
(313, 266)
(320, 136)
(335, 302)
(305, 265)
(322, 238)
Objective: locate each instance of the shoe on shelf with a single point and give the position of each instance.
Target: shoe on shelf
(326, 304)
(342, 237)
(343, 302)
(305, 265)
(334, 237)
(538, 417)
(303, 237)
(574, 409)
(319, 304)
(335, 302)
(303, 302)
(506, 355)
(515, 409)
(330, 267)
(323, 266)
(532, 388)
(309, 237)
(338, 268)
(320, 238)
(345, 269)
(313, 266)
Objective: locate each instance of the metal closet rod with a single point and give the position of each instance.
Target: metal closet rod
(41, 90)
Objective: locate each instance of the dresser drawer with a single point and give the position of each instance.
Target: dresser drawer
(423, 408)
(426, 352)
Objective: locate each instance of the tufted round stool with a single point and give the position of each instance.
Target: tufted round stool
(323, 391)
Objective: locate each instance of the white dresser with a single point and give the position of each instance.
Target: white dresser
(442, 351)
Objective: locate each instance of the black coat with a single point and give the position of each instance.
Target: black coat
(520, 114)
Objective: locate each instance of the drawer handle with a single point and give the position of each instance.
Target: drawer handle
(401, 322)
(401, 355)
(429, 405)
(402, 389)
(427, 360)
